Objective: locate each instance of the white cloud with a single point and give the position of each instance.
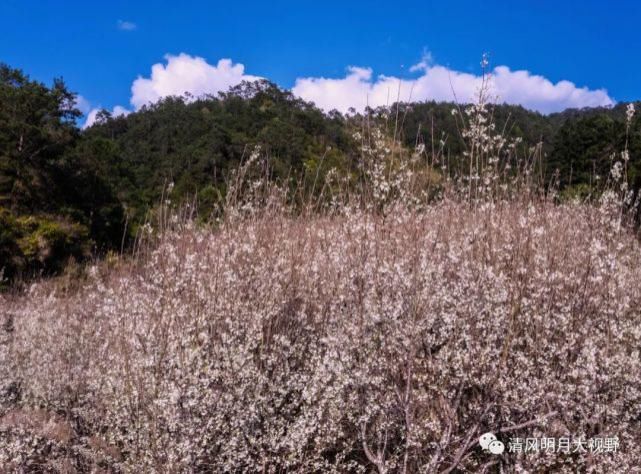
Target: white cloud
(194, 75)
(358, 89)
(185, 73)
(82, 104)
(91, 118)
(426, 61)
(126, 25)
(119, 110)
(93, 115)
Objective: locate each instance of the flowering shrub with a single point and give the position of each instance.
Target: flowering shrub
(342, 343)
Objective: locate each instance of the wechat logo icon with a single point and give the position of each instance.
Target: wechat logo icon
(489, 443)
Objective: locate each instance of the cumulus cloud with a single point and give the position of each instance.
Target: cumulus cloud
(185, 73)
(126, 25)
(82, 104)
(359, 88)
(91, 118)
(426, 61)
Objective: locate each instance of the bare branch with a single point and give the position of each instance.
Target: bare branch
(536, 421)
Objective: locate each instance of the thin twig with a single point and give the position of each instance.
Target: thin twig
(536, 421)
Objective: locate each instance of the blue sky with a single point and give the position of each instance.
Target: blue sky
(100, 48)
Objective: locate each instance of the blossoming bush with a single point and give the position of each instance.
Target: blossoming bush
(344, 343)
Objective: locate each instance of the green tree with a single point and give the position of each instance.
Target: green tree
(37, 124)
(55, 202)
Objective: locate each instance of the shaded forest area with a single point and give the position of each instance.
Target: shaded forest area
(70, 194)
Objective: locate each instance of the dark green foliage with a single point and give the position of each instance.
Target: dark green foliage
(37, 124)
(195, 144)
(83, 176)
(39, 245)
(586, 145)
(54, 201)
(584, 148)
(10, 253)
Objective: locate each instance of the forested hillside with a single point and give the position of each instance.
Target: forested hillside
(67, 193)
(195, 144)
